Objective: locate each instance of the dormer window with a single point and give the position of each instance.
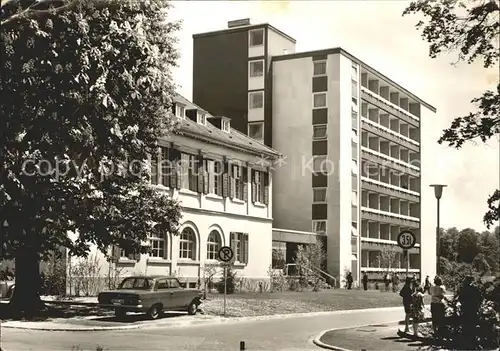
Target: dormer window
(202, 118)
(180, 111)
(225, 126)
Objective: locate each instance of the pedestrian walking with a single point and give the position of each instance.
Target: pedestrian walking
(417, 310)
(437, 305)
(349, 280)
(427, 285)
(387, 281)
(365, 281)
(395, 282)
(470, 300)
(406, 293)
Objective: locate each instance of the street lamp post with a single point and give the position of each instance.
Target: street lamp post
(438, 192)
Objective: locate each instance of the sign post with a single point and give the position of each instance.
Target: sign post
(225, 255)
(406, 240)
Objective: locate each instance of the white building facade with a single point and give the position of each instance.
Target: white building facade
(223, 183)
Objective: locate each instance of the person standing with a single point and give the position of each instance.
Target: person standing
(395, 282)
(365, 281)
(437, 305)
(387, 281)
(470, 300)
(417, 309)
(427, 285)
(349, 280)
(406, 293)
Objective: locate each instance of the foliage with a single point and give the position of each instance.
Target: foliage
(86, 93)
(488, 329)
(230, 280)
(472, 29)
(85, 276)
(387, 259)
(310, 260)
(7, 273)
(113, 276)
(278, 280)
(53, 279)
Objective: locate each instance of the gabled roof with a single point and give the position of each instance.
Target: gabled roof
(212, 134)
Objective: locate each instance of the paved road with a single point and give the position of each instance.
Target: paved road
(284, 334)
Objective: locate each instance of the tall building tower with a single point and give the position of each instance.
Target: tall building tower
(350, 135)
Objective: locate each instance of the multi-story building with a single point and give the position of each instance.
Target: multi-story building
(349, 134)
(221, 178)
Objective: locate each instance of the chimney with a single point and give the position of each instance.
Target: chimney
(221, 122)
(238, 23)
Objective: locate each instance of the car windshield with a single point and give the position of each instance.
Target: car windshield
(136, 283)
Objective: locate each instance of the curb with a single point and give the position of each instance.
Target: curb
(317, 340)
(196, 322)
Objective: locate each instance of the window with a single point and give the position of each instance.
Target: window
(201, 118)
(239, 244)
(319, 68)
(238, 182)
(279, 255)
(258, 187)
(319, 131)
(319, 227)
(162, 284)
(136, 283)
(165, 169)
(214, 177)
(354, 198)
(256, 99)
(256, 130)
(319, 195)
(354, 136)
(354, 228)
(354, 150)
(214, 243)
(154, 170)
(319, 100)
(319, 164)
(157, 242)
(256, 68)
(226, 126)
(354, 167)
(354, 91)
(187, 244)
(173, 284)
(256, 37)
(180, 111)
(188, 174)
(354, 119)
(354, 73)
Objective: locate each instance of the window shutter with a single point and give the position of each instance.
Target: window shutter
(254, 186)
(231, 181)
(245, 248)
(245, 183)
(232, 243)
(115, 253)
(205, 176)
(200, 174)
(173, 158)
(154, 169)
(265, 177)
(225, 181)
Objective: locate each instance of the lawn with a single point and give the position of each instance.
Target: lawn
(257, 304)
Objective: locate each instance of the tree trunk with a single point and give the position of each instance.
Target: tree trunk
(25, 301)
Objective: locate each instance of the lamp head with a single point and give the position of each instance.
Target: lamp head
(438, 190)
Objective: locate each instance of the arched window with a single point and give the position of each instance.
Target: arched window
(214, 243)
(187, 247)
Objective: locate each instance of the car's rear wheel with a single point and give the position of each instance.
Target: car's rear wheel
(120, 313)
(155, 311)
(192, 308)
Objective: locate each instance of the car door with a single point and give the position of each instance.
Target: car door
(176, 291)
(164, 293)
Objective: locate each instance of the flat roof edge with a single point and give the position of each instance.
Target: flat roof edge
(241, 28)
(339, 50)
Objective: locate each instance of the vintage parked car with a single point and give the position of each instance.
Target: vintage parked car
(150, 294)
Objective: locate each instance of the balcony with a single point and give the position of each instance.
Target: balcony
(386, 133)
(389, 107)
(389, 162)
(391, 149)
(389, 218)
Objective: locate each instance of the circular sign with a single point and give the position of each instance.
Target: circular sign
(225, 254)
(406, 239)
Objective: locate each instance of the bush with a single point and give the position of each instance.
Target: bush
(84, 277)
(53, 280)
(230, 281)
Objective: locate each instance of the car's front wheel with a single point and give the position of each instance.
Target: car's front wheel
(192, 308)
(155, 311)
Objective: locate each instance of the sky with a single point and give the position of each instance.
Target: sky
(375, 32)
